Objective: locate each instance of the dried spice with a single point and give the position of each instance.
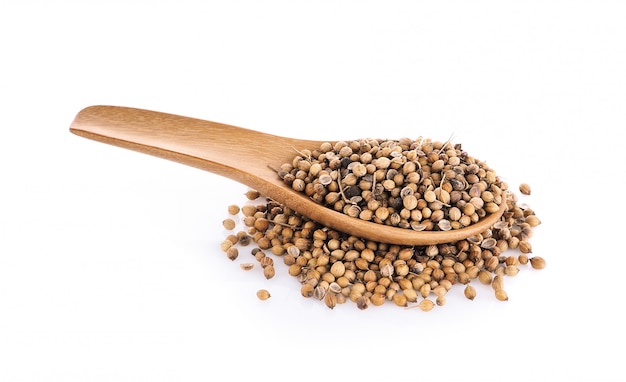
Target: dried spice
(420, 185)
(524, 189)
(414, 184)
(263, 294)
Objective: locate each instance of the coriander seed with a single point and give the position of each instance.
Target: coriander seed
(537, 262)
(469, 292)
(524, 188)
(246, 266)
(426, 305)
(229, 224)
(263, 294)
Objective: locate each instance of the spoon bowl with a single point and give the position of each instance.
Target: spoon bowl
(246, 156)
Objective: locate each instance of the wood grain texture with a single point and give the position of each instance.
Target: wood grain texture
(243, 155)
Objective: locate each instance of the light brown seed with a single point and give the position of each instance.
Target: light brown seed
(263, 294)
(485, 277)
(248, 210)
(511, 270)
(399, 299)
(338, 269)
(524, 188)
(502, 295)
(225, 245)
(246, 266)
(229, 224)
(469, 292)
(266, 261)
(319, 292)
(252, 194)
(307, 290)
(533, 220)
(410, 294)
(363, 302)
(233, 209)
(269, 272)
(232, 253)
(377, 299)
(525, 247)
(523, 258)
(441, 300)
(294, 269)
(330, 300)
(497, 283)
(426, 305)
(537, 262)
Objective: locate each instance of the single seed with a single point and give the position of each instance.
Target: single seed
(363, 302)
(252, 194)
(410, 294)
(525, 247)
(319, 292)
(441, 300)
(229, 224)
(511, 270)
(338, 269)
(266, 261)
(386, 270)
(295, 269)
(307, 290)
(248, 210)
(426, 305)
(497, 283)
(263, 294)
(469, 292)
(334, 287)
(523, 258)
(502, 295)
(232, 253)
(533, 220)
(233, 209)
(246, 266)
(430, 196)
(524, 189)
(485, 277)
(269, 272)
(226, 244)
(399, 299)
(537, 262)
(330, 300)
(377, 299)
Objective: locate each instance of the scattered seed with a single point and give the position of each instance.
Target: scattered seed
(246, 266)
(427, 305)
(269, 272)
(524, 189)
(229, 224)
(252, 194)
(263, 294)
(501, 295)
(537, 262)
(232, 253)
(469, 292)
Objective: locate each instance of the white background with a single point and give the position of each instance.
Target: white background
(110, 268)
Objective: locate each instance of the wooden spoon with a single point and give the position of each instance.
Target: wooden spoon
(244, 156)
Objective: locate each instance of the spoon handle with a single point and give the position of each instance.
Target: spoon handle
(190, 141)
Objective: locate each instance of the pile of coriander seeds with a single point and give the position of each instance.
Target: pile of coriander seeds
(413, 184)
